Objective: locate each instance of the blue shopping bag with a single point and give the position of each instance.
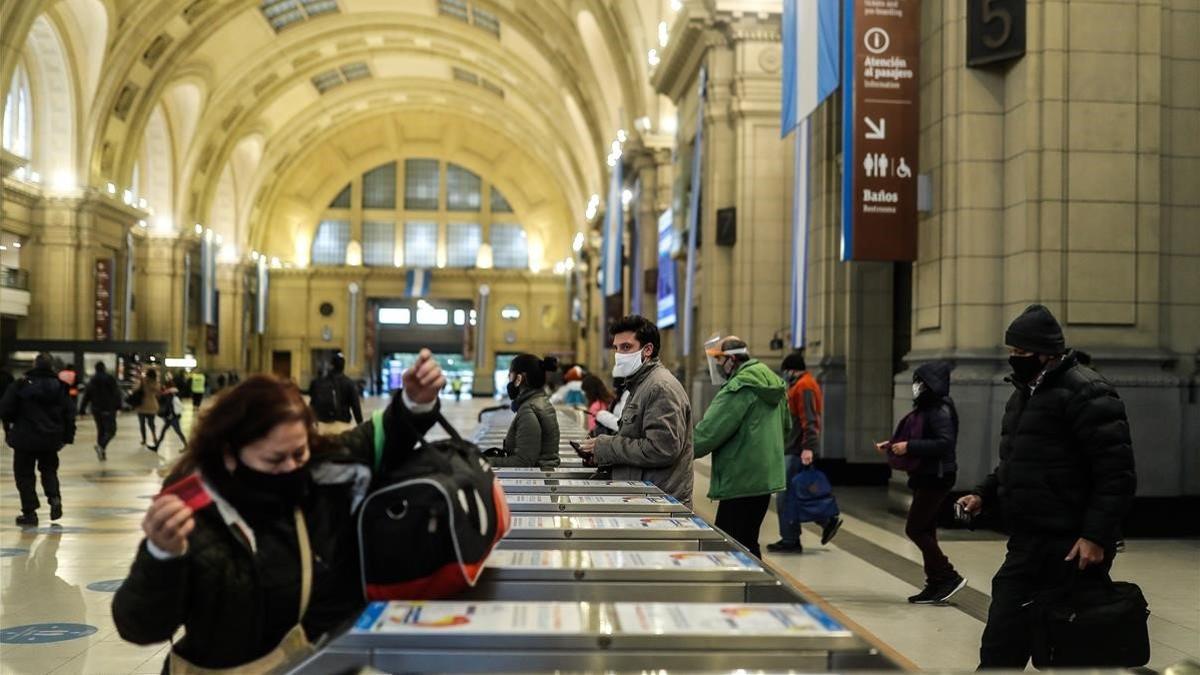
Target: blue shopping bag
(810, 497)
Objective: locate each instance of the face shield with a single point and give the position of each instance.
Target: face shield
(714, 354)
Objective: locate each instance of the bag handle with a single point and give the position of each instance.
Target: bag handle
(380, 433)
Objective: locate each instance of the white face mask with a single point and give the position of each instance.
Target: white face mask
(627, 364)
(917, 389)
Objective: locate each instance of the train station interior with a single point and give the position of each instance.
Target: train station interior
(216, 189)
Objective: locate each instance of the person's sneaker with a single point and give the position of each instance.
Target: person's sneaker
(99, 452)
(28, 519)
(785, 547)
(926, 596)
(56, 509)
(946, 589)
(830, 530)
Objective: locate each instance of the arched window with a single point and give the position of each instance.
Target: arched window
(18, 115)
(329, 246)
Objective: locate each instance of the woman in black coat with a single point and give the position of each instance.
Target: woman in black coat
(924, 444)
(271, 565)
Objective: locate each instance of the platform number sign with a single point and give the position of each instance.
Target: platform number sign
(995, 31)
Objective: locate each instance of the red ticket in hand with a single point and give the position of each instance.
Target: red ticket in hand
(191, 491)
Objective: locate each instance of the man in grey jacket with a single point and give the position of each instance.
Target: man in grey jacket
(654, 442)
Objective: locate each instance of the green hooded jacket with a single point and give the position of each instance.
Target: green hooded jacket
(744, 429)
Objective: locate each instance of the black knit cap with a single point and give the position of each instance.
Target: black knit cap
(1037, 331)
(794, 361)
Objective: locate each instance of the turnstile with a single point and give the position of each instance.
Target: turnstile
(634, 576)
(576, 486)
(561, 473)
(644, 533)
(556, 636)
(568, 504)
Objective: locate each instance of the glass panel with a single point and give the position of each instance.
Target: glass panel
(421, 184)
(379, 243)
(379, 187)
(462, 244)
(510, 250)
(342, 201)
(460, 317)
(466, 76)
(454, 8)
(329, 246)
(463, 189)
(420, 244)
(326, 81)
(495, 89)
(432, 316)
(499, 203)
(395, 315)
(355, 71)
(319, 7)
(487, 21)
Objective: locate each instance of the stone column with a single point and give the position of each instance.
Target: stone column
(160, 288)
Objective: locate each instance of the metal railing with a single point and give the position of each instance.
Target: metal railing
(14, 278)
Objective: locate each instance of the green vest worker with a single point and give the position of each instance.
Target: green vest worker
(199, 382)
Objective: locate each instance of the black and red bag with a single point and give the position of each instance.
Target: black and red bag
(430, 520)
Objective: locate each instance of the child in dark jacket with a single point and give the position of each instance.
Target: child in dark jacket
(924, 446)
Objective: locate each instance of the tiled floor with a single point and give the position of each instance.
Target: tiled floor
(45, 574)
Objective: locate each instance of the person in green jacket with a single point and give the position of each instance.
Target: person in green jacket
(743, 428)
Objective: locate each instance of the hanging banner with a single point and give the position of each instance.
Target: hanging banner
(881, 130)
(208, 279)
(212, 331)
(128, 313)
(102, 302)
(811, 53)
(614, 226)
(666, 271)
(694, 213)
(636, 281)
(264, 287)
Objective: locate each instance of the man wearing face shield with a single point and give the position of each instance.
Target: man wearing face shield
(743, 429)
(654, 442)
(1064, 482)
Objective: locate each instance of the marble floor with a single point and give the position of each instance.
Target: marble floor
(56, 581)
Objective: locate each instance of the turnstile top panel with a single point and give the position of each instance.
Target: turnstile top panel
(688, 567)
(578, 486)
(610, 527)
(534, 472)
(608, 503)
(533, 625)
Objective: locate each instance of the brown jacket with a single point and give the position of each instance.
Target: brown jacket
(149, 405)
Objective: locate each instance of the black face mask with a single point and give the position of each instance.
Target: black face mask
(290, 487)
(1025, 368)
(514, 390)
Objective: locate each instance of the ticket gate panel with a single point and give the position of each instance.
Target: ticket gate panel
(572, 486)
(611, 527)
(560, 473)
(619, 544)
(595, 504)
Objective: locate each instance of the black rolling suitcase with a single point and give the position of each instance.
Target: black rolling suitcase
(1092, 626)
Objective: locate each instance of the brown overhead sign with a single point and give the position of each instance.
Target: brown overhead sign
(881, 129)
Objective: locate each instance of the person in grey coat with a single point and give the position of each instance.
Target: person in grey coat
(655, 439)
(532, 439)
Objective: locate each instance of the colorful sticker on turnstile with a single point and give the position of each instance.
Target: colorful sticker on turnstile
(536, 523)
(529, 499)
(613, 483)
(513, 559)
(720, 619)
(495, 618)
(665, 560)
(640, 500)
(521, 482)
(635, 523)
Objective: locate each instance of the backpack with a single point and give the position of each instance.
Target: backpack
(810, 497)
(323, 398)
(430, 521)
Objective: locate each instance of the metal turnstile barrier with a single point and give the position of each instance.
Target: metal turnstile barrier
(568, 504)
(600, 637)
(575, 486)
(560, 473)
(644, 533)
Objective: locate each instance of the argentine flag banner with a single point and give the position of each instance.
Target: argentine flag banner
(811, 57)
(417, 283)
(811, 52)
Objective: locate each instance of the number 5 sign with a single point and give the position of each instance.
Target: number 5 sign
(995, 31)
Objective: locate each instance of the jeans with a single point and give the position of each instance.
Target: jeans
(921, 528)
(742, 518)
(46, 463)
(168, 424)
(106, 428)
(143, 420)
(1034, 563)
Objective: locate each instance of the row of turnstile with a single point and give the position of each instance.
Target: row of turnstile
(601, 576)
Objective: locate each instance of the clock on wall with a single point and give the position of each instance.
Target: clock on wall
(326, 309)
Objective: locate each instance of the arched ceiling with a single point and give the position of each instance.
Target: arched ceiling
(224, 75)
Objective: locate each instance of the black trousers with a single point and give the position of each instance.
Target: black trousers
(144, 420)
(921, 528)
(106, 428)
(742, 518)
(46, 462)
(1033, 564)
(168, 424)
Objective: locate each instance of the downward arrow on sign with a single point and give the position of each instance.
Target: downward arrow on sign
(877, 132)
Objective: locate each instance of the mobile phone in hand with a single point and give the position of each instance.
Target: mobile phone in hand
(575, 446)
(191, 491)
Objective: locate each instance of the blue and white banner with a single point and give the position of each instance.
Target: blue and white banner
(811, 53)
(208, 279)
(666, 270)
(417, 283)
(693, 215)
(614, 221)
(636, 273)
(261, 300)
(811, 72)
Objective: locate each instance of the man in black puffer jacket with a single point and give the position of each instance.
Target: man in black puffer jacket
(40, 419)
(1064, 483)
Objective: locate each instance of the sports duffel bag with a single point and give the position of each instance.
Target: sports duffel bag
(1097, 626)
(430, 519)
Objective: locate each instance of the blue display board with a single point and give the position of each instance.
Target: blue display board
(666, 271)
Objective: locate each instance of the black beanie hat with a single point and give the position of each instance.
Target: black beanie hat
(794, 361)
(1037, 331)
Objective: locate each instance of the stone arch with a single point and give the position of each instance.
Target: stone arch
(158, 171)
(54, 111)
